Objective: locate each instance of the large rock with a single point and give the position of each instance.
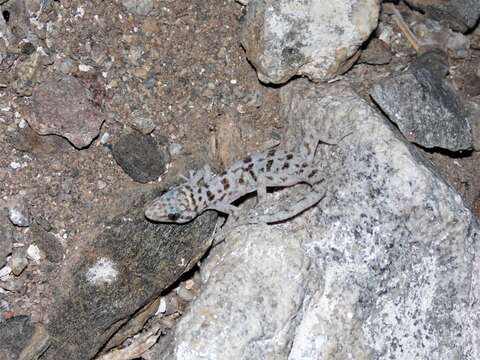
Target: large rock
(15, 333)
(129, 264)
(315, 38)
(65, 107)
(385, 267)
(424, 105)
(461, 15)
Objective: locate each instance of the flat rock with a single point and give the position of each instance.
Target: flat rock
(140, 157)
(314, 38)
(424, 106)
(127, 265)
(15, 333)
(64, 106)
(48, 244)
(461, 15)
(138, 7)
(384, 267)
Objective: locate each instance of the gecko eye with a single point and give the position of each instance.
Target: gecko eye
(173, 216)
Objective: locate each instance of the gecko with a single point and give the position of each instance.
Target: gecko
(273, 168)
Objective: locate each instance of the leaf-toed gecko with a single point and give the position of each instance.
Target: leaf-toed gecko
(273, 168)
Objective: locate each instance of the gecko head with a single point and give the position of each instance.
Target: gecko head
(172, 207)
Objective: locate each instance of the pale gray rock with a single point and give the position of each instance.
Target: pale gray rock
(18, 262)
(424, 105)
(314, 38)
(473, 114)
(19, 213)
(384, 267)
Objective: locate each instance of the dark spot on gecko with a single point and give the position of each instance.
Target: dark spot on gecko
(222, 197)
(210, 196)
(241, 180)
(285, 166)
(304, 165)
(199, 190)
(271, 152)
(284, 179)
(200, 198)
(247, 160)
(188, 187)
(219, 191)
(252, 174)
(249, 167)
(223, 174)
(269, 178)
(269, 164)
(261, 170)
(237, 169)
(173, 217)
(312, 173)
(225, 183)
(289, 156)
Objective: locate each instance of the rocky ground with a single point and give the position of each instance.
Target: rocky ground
(101, 99)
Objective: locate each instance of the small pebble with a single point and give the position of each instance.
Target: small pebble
(15, 165)
(22, 124)
(189, 284)
(101, 184)
(162, 307)
(6, 270)
(34, 253)
(104, 139)
(19, 214)
(18, 262)
(174, 149)
(185, 294)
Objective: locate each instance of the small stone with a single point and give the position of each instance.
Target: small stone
(66, 66)
(377, 53)
(162, 306)
(138, 7)
(189, 284)
(143, 123)
(185, 294)
(19, 214)
(104, 138)
(4, 271)
(34, 253)
(174, 149)
(18, 262)
(101, 185)
(140, 157)
(15, 165)
(48, 244)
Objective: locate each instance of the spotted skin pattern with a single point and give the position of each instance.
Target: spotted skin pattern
(205, 191)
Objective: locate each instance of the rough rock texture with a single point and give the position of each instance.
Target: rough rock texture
(127, 266)
(424, 105)
(64, 106)
(383, 268)
(14, 335)
(140, 157)
(314, 38)
(473, 110)
(460, 15)
(6, 238)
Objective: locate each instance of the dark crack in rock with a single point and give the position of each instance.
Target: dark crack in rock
(424, 106)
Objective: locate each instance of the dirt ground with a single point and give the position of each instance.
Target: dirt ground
(182, 66)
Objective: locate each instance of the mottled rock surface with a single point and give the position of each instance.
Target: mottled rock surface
(314, 38)
(14, 335)
(424, 105)
(384, 267)
(140, 157)
(460, 15)
(130, 262)
(64, 106)
(6, 238)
